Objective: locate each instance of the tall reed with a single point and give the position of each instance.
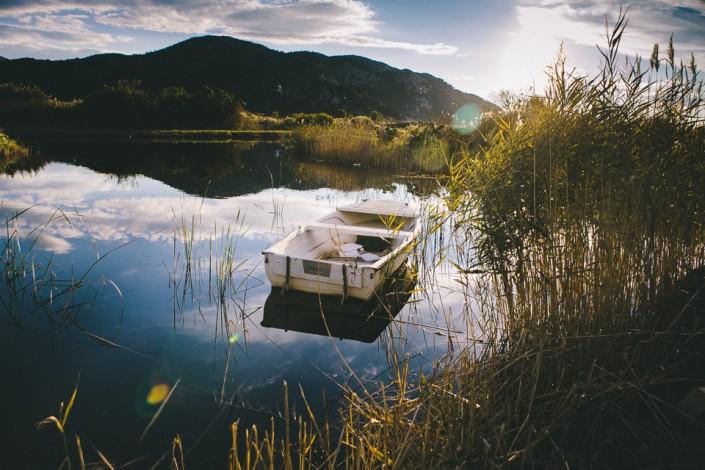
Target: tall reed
(579, 236)
(32, 282)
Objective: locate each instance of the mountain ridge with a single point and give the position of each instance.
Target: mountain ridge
(266, 80)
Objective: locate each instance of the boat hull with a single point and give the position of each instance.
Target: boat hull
(361, 281)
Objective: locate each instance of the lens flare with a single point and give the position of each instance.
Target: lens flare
(233, 338)
(157, 394)
(467, 118)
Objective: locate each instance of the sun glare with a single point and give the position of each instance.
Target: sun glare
(157, 394)
(535, 43)
(467, 118)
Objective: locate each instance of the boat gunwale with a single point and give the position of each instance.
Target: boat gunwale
(377, 265)
(372, 207)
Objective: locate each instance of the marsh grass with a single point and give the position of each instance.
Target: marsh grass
(207, 272)
(579, 238)
(360, 141)
(205, 264)
(60, 425)
(33, 283)
(583, 212)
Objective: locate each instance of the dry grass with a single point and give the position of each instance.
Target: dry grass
(360, 141)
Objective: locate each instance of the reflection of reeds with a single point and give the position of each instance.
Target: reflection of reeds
(206, 270)
(34, 283)
(183, 284)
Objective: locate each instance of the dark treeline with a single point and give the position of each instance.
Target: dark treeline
(268, 81)
(125, 105)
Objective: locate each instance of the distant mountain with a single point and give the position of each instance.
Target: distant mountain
(3, 58)
(266, 80)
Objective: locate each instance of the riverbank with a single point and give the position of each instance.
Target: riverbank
(408, 148)
(152, 135)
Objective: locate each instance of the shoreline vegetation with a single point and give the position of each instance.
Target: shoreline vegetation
(10, 151)
(578, 237)
(72, 134)
(407, 148)
(127, 112)
(585, 277)
(424, 148)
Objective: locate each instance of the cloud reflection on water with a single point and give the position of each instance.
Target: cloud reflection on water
(103, 209)
(102, 212)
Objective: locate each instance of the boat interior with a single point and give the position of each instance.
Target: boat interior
(326, 243)
(363, 234)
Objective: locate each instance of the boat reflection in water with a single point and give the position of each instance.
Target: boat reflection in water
(327, 316)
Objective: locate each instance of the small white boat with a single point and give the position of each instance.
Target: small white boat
(349, 252)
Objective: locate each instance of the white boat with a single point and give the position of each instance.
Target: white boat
(349, 252)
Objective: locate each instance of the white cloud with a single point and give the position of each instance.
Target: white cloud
(426, 49)
(46, 34)
(543, 25)
(649, 22)
(347, 22)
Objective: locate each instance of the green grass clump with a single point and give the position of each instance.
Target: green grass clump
(10, 151)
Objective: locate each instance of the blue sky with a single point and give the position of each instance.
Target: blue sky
(478, 46)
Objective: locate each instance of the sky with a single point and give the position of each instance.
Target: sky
(478, 46)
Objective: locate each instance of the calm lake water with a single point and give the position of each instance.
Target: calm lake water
(149, 312)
